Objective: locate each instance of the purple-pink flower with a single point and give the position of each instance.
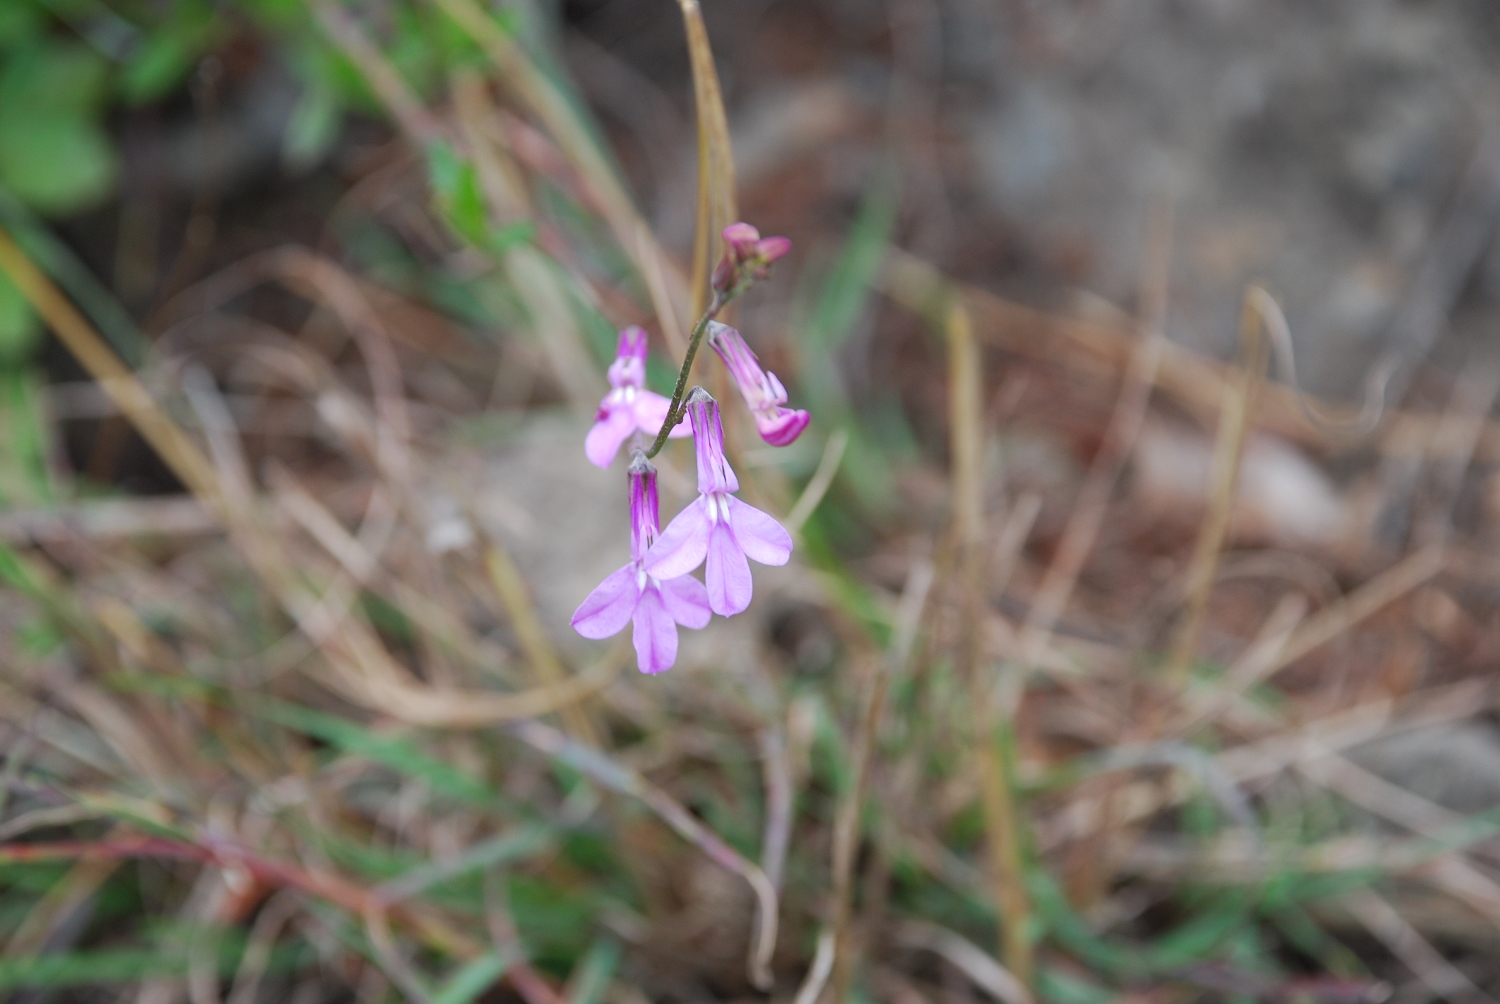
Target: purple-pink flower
(655, 604)
(629, 405)
(717, 526)
(778, 424)
(748, 257)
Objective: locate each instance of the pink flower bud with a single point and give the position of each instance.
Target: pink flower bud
(747, 258)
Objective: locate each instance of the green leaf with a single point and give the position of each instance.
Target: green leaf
(52, 152)
(1058, 987)
(56, 163)
(160, 64)
(19, 326)
(509, 237)
(54, 78)
(515, 845)
(15, 571)
(848, 286)
(39, 637)
(131, 965)
(24, 480)
(393, 753)
(312, 128)
(472, 980)
(837, 310)
(20, 23)
(592, 976)
(455, 184)
(167, 54)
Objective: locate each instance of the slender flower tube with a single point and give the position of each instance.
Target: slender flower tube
(748, 258)
(629, 405)
(778, 424)
(717, 526)
(655, 605)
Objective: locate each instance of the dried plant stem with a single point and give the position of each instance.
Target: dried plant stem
(361, 668)
(965, 379)
(404, 106)
(536, 277)
(220, 853)
(1234, 423)
(1196, 383)
(1087, 515)
(820, 482)
(716, 175)
(833, 958)
(972, 960)
(533, 637)
(179, 452)
(540, 96)
(1387, 587)
(1404, 942)
(610, 773)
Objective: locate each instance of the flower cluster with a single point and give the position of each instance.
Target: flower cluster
(655, 591)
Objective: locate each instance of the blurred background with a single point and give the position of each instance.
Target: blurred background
(1139, 643)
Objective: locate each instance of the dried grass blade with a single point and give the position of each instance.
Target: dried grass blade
(820, 482)
(846, 828)
(966, 424)
(1404, 942)
(1387, 587)
(717, 205)
(114, 377)
(554, 111)
(613, 775)
(1234, 423)
(533, 636)
(972, 960)
(1124, 427)
(403, 104)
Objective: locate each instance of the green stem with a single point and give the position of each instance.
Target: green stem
(675, 410)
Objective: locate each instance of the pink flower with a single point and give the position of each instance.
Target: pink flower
(629, 405)
(778, 424)
(748, 258)
(717, 526)
(656, 605)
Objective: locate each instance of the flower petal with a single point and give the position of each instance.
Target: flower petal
(682, 545)
(728, 573)
(616, 421)
(651, 411)
(781, 427)
(687, 601)
(608, 608)
(758, 534)
(655, 634)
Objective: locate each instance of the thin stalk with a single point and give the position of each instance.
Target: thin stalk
(1001, 823)
(1234, 424)
(675, 411)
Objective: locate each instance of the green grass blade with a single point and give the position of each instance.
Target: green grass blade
(592, 976)
(399, 756)
(526, 842)
(472, 980)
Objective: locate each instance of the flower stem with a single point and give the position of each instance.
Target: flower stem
(676, 409)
